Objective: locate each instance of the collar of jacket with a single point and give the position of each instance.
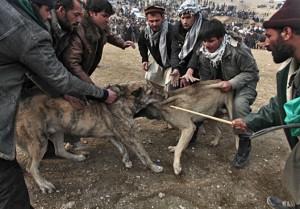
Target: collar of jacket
(232, 43)
(26, 6)
(55, 26)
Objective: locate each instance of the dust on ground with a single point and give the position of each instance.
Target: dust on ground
(207, 182)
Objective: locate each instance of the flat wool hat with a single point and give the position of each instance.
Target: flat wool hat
(49, 3)
(154, 9)
(287, 15)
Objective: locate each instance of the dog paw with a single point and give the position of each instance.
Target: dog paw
(128, 164)
(214, 143)
(177, 169)
(156, 168)
(46, 187)
(171, 148)
(80, 158)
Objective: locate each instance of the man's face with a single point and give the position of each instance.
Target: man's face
(71, 18)
(100, 19)
(281, 51)
(187, 21)
(155, 21)
(212, 44)
(45, 13)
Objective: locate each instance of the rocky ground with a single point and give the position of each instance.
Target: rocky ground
(208, 181)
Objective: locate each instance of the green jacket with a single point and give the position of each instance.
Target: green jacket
(273, 113)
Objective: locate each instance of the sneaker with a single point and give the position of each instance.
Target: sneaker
(276, 203)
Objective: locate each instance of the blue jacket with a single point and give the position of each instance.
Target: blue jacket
(27, 47)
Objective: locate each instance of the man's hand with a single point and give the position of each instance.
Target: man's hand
(225, 86)
(239, 125)
(175, 75)
(145, 66)
(129, 44)
(188, 76)
(183, 82)
(112, 96)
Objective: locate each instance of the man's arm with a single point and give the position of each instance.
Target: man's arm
(248, 67)
(119, 42)
(143, 49)
(267, 116)
(37, 54)
(72, 58)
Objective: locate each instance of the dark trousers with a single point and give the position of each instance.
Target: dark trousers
(13, 190)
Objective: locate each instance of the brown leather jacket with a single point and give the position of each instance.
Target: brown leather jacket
(86, 47)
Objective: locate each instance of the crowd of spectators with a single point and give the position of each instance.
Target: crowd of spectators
(129, 19)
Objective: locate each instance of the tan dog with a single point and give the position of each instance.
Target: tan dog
(41, 118)
(204, 97)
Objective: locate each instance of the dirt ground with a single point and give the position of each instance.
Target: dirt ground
(208, 181)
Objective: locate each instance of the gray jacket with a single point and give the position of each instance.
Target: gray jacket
(238, 66)
(25, 46)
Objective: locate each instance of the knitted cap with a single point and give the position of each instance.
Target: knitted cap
(154, 9)
(49, 3)
(287, 15)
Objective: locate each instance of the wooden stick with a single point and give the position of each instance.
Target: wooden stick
(203, 115)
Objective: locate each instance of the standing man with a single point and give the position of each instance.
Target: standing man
(156, 38)
(26, 46)
(66, 16)
(85, 49)
(231, 61)
(283, 40)
(185, 40)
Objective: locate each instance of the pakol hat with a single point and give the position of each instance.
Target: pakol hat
(49, 3)
(287, 15)
(154, 9)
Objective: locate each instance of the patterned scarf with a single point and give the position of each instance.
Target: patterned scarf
(191, 38)
(161, 37)
(216, 57)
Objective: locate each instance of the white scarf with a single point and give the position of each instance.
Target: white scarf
(160, 36)
(191, 38)
(216, 57)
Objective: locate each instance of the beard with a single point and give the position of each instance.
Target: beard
(66, 25)
(281, 51)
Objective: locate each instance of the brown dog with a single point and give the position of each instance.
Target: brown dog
(41, 118)
(204, 97)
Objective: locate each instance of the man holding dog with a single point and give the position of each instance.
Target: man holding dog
(283, 40)
(26, 46)
(185, 40)
(230, 60)
(156, 38)
(85, 48)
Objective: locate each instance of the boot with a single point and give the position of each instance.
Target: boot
(241, 158)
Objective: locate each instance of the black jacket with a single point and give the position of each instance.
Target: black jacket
(144, 47)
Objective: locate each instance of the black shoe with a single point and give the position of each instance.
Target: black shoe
(276, 203)
(241, 158)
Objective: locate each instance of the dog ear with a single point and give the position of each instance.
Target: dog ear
(137, 92)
